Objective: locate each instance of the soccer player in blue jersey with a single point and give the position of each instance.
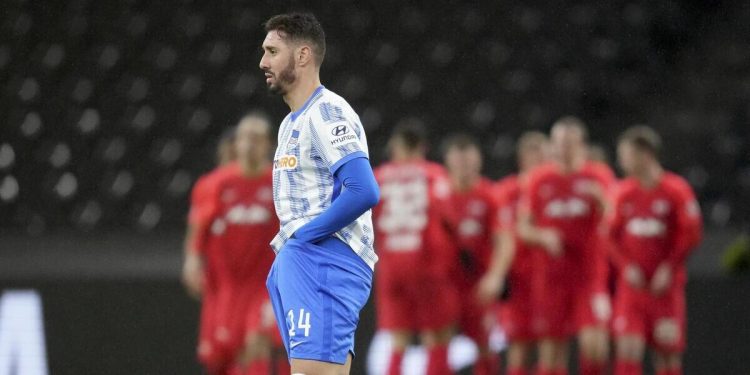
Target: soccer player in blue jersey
(323, 189)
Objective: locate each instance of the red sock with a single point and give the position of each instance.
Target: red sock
(544, 371)
(589, 367)
(560, 371)
(487, 365)
(623, 367)
(437, 364)
(516, 371)
(394, 367)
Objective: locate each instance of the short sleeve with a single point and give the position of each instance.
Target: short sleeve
(530, 202)
(688, 209)
(614, 218)
(337, 136)
(199, 200)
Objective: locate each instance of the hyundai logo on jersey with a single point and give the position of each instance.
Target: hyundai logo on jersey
(339, 130)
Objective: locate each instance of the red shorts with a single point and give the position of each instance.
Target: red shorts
(238, 312)
(413, 301)
(473, 317)
(570, 303)
(206, 345)
(519, 314)
(658, 320)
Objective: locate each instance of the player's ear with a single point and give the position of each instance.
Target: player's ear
(304, 55)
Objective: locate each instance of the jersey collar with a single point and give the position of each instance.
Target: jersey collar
(315, 93)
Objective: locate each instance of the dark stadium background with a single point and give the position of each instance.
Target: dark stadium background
(109, 110)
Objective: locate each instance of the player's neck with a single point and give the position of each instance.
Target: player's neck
(407, 157)
(650, 176)
(296, 97)
(252, 168)
(463, 183)
(573, 165)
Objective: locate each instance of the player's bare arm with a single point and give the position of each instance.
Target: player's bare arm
(192, 267)
(503, 253)
(548, 238)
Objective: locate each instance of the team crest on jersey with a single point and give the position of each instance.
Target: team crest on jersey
(285, 162)
(660, 207)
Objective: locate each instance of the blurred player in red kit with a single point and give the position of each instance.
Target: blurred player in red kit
(199, 269)
(473, 206)
(655, 223)
(562, 211)
(237, 220)
(514, 261)
(413, 287)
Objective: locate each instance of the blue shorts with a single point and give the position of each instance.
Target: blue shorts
(317, 292)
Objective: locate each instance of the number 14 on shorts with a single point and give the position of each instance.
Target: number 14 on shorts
(302, 323)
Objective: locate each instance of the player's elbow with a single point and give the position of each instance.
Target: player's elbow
(372, 197)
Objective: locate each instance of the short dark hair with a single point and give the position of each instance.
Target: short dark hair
(573, 122)
(300, 27)
(460, 141)
(642, 137)
(411, 132)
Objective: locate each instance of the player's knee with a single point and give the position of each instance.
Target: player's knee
(517, 354)
(399, 340)
(630, 348)
(548, 353)
(667, 332)
(594, 344)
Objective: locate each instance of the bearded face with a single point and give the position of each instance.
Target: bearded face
(279, 82)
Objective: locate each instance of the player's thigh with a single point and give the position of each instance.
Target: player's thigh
(668, 331)
(276, 303)
(558, 312)
(322, 294)
(311, 367)
(395, 303)
(517, 319)
(438, 305)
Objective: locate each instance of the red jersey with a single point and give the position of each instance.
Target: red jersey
(569, 204)
(200, 204)
(649, 226)
(242, 218)
(412, 219)
(475, 211)
(508, 198)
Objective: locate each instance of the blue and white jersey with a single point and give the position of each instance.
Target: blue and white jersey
(313, 143)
